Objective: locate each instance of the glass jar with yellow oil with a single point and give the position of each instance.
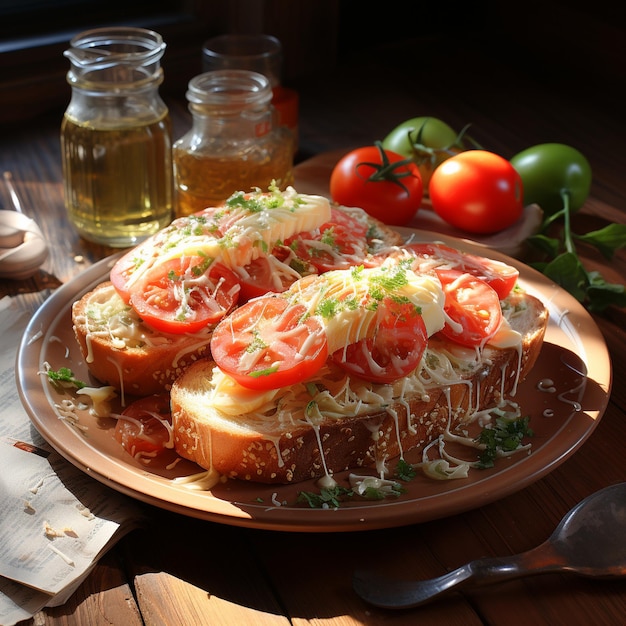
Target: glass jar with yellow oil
(234, 143)
(116, 138)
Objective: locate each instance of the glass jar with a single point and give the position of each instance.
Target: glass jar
(257, 53)
(116, 137)
(233, 144)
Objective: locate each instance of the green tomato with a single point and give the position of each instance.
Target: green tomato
(548, 171)
(423, 131)
(426, 140)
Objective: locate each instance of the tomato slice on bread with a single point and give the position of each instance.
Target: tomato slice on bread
(185, 294)
(265, 275)
(501, 276)
(395, 350)
(143, 428)
(339, 243)
(472, 306)
(430, 256)
(269, 343)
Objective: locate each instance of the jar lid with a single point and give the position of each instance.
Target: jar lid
(233, 88)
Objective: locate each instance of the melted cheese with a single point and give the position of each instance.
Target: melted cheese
(343, 300)
(234, 234)
(100, 398)
(231, 398)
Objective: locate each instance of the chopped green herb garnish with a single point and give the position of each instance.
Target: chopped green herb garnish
(64, 375)
(327, 498)
(504, 436)
(405, 471)
(266, 372)
(311, 389)
(257, 343)
(328, 237)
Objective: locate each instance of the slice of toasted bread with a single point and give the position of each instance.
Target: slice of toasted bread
(120, 350)
(298, 435)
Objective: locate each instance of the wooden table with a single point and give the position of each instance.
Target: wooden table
(181, 570)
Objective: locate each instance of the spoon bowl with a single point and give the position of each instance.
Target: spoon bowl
(589, 541)
(23, 248)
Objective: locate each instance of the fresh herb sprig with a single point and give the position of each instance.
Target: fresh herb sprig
(505, 435)
(65, 378)
(562, 264)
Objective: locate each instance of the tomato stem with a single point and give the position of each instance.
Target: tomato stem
(565, 213)
(567, 234)
(423, 153)
(385, 171)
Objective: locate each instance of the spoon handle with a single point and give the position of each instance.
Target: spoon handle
(408, 594)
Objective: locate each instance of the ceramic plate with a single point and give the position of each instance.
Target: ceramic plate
(574, 357)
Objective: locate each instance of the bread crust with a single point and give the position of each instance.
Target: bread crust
(303, 452)
(150, 366)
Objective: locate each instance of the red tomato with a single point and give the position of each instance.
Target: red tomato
(268, 343)
(383, 183)
(144, 426)
(472, 306)
(396, 349)
(340, 243)
(131, 266)
(500, 276)
(121, 273)
(261, 277)
(477, 191)
(185, 294)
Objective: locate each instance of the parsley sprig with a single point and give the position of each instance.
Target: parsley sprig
(562, 264)
(505, 435)
(65, 377)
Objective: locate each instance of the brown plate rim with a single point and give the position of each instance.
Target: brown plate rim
(246, 505)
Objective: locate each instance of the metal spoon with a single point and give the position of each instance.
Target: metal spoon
(590, 541)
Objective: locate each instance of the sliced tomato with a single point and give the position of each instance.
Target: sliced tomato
(472, 306)
(143, 428)
(129, 268)
(339, 243)
(262, 276)
(268, 343)
(396, 349)
(428, 256)
(185, 294)
(121, 273)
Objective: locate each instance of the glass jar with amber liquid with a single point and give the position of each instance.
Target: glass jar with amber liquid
(116, 139)
(234, 143)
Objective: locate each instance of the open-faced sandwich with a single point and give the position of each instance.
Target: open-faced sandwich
(140, 330)
(301, 339)
(352, 368)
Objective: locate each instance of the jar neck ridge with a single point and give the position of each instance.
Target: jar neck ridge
(115, 58)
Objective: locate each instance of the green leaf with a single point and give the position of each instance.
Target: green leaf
(607, 240)
(601, 294)
(548, 245)
(567, 271)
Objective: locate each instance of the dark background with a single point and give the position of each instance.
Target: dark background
(576, 46)
(362, 67)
